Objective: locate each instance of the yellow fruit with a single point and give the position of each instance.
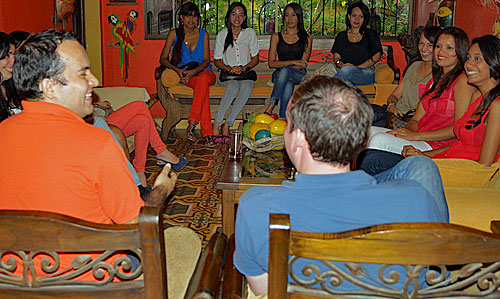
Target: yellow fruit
(263, 119)
(255, 128)
(277, 127)
(274, 142)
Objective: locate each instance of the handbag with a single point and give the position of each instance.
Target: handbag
(396, 122)
(190, 66)
(247, 74)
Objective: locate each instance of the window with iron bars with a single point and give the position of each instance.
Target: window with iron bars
(321, 17)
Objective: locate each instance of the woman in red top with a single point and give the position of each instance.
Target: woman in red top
(445, 101)
(478, 131)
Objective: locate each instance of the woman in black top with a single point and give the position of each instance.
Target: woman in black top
(289, 52)
(357, 49)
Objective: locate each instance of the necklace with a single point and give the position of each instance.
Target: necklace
(235, 36)
(353, 35)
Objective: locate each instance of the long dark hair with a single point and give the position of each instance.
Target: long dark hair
(302, 33)
(490, 49)
(12, 100)
(366, 15)
(229, 37)
(18, 37)
(461, 49)
(186, 9)
(431, 34)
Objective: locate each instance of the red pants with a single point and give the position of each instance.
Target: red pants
(200, 110)
(135, 118)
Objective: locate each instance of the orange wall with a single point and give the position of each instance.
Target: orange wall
(473, 18)
(145, 59)
(147, 52)
(27, 15)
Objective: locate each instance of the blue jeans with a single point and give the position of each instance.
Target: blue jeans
(374, 161)
(423, 170)
(237, 90)
(284, 80)
(356, 75)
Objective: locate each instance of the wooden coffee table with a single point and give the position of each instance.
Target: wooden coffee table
(253, 169)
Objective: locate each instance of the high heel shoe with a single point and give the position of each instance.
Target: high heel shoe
(190, 134)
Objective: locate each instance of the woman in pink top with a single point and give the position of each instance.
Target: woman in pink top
(442, 104)
(478, 131)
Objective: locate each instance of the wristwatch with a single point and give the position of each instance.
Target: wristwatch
(337, 63)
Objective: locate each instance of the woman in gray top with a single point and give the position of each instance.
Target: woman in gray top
(406, 96)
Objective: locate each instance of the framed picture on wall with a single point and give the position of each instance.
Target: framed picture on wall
(159, 18)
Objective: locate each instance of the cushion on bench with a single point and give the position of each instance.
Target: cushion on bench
(170, 80)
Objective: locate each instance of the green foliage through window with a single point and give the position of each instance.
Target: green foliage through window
(321, 17)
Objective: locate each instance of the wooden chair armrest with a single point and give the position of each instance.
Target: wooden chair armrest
(153, 247)
(158, 71)
(233, 286)
(207, 276)
(495, 226)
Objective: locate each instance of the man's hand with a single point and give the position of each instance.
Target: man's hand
(163, 186)
(405, 134)
(166, 178)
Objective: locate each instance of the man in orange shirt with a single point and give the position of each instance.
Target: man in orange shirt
(51, 159)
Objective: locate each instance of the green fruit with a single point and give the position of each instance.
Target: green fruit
(246, 130)
(251, 117)
(262, 134)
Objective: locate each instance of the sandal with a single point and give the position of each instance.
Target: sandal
(218, 139)
(190, 134)
(209, 140)
(226, 139)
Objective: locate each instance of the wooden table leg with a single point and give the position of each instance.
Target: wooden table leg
(228, 202)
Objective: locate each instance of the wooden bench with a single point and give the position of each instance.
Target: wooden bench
(177, 99)
(31, 234)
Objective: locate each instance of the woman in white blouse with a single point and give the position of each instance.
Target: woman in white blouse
(236, 50)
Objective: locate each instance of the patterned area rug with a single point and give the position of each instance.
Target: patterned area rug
(196, 203)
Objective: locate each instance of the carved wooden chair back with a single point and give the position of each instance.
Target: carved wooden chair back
(474, 254)
(27, 234)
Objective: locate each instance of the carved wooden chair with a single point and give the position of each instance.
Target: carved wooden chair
(27, 234)
(414, 245)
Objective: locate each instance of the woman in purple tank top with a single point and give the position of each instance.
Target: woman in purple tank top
(289, 52)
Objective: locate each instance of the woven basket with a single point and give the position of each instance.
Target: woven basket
(259, 146)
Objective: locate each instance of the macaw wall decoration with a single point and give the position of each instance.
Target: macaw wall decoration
(122, 32)
(445, 14)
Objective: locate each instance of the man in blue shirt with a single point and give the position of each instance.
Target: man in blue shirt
(328, 123)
